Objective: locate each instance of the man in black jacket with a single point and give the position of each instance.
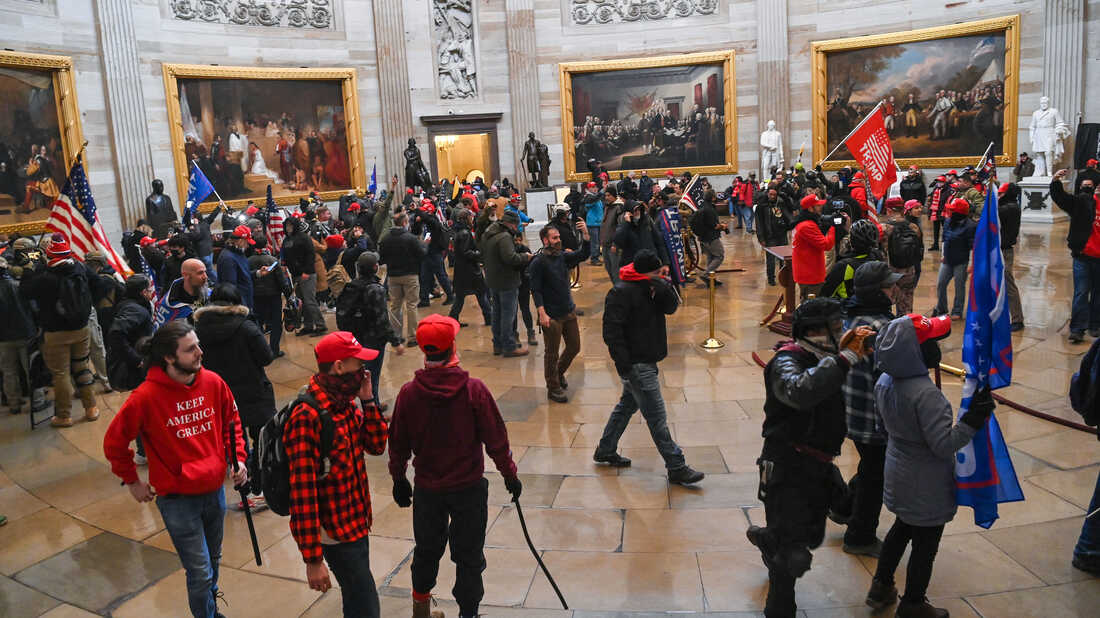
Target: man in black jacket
(1083, 240)
(637, 232)
(270, 285)
(361, 310)
(634, 331)
(468, 279)
(774, 221)
(549, 272)
(402, 252)
(17, 332)
(804, 428)
(1008, 211)
(64, 301)
(1089, 173)
(299, 255)
(707, 228)
(563, 223)
(912, 186)
(199, 235)
(431, 267)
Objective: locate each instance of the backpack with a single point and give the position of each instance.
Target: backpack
(349, 309)
(337, 277)
(904, 248)
(272, 466)
(1083, 386)
(74, 301)
(292, 314)
(112, 292)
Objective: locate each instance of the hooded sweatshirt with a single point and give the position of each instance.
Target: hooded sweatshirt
(185, 429)
(442, 418)
(920, 451)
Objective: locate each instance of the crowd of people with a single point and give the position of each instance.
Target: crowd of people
(192, 331)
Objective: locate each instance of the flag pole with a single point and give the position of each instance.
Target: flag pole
(865, 118)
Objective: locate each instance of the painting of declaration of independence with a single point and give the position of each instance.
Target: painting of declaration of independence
(649, 118)
(246, 134)
(32, 160)
(941, 98)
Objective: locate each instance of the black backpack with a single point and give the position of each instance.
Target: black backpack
(349, 308)
(74, 301)
(905, 248)
(272, 466)
(1083, 386)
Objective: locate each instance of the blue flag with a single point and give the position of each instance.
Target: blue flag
(668, 222)
(373, 187)
(984, 475)
(198, 187)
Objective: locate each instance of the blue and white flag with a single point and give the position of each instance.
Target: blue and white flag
(984, 475)
(373, 186)
(198, 188)
(669, 224)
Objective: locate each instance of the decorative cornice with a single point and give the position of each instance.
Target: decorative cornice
(586, 12)
(316, 14)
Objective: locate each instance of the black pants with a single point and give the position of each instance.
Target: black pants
(926, 542)
(866, 488)
(269, 313)
(375, 366)
(432, 270)
(458, 517)
(525, 305)
(773, 262)
(936, 225)
(350, 563)
(482, 301)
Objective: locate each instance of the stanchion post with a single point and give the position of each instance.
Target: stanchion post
(711, 343)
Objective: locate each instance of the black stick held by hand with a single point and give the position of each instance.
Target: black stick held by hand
(231, 453)
(535, 552)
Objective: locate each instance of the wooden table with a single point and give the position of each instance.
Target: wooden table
(784, 307)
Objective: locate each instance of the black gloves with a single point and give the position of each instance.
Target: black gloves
(514, 486)
(402, 492)
(981, 406)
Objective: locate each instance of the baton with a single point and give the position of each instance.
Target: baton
(244, 494)
(535, 553)
(1086, 516)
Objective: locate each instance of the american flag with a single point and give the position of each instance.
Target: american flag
(74, 217)
(987, 168)
(693, 193)
(275, 219)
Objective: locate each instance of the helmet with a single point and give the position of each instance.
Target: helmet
(815, 313)
(863, 236)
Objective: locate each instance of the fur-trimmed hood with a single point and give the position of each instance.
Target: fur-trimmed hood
(219, 322)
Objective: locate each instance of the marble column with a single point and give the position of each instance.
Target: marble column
(523, 85)
(1063, 66)
(126, 106)
(772, 77)
(393, 86)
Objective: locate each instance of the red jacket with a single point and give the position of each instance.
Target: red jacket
(859, 194)
(442, 417)
(185, 429)
(808, 251)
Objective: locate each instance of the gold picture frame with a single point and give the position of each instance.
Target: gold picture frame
(349, 89)
(1008, 26)
(60, 69)
(724, 58)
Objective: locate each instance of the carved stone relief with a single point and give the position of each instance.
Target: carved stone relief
(316, 14)
(453, 41)
(584, 12)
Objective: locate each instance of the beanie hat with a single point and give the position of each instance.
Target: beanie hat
(894, 203)
(57, 247)
(366, 263)
(646, 261)
(334, 241)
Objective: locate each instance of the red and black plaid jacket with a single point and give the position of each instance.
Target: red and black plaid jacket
(338, 502)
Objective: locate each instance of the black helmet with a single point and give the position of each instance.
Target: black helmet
(815, 313)
(863, 236)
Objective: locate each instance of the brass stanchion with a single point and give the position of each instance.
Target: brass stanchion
(576, 285)
(712, 343)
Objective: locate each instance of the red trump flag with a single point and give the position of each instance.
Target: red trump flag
(870, 145)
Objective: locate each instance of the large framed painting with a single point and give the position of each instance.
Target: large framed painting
(946, 92)
(296, 130)
(652, 114)
(40, 136)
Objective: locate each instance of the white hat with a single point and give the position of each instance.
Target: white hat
(561, 207)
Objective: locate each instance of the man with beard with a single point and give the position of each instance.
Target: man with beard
(549, 272)
(912, 186)
(563, 223)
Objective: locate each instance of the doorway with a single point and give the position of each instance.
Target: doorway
(465, 156)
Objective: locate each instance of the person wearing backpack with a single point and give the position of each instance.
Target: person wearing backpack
(447, 421)
(64, 300)
(187, 419)
(361, 310)
(905, 250)
(329, 499)
(1083, 398)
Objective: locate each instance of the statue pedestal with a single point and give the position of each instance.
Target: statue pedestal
(539, 202)
(1036, 203)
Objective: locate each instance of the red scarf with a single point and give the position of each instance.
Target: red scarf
(627, 273)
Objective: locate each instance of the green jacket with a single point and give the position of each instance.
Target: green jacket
(383, 218)
(502, 263)
(977, 202)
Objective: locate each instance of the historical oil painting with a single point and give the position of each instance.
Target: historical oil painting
(652, 114)
(942, 97)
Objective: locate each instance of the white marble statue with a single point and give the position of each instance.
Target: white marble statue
(1047, 130)
(771, 150)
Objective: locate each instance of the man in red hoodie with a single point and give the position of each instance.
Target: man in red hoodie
(442, 418)
(187, 420)
(809, 246)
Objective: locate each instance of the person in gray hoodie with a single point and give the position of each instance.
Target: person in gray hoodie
(920, 457)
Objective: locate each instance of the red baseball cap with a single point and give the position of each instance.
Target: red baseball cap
(409, 190)
(436, 333)
(952, 172)
(857, 176)
(146, 241)
(334, 241)
(353, 207)
(941, 178)
(914, 167)
(669, 173)
(251, 210)
(959, 206)
(930, 328)
(341, 345)
(590, 185)
(912, 205)
(242, 231)
(1091, 162)
(1001, 189)
(810, 201)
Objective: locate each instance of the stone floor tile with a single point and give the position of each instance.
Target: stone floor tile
(542, 434)
(19, 600)
(565, 529)
(507, 576)
(1076, 486)
(1065, 449)
(246, 593)
(735, 489)
(721, 433)
(31, 539)
(538, 489)
(613, 492)
(647, 461)
(685, 530)
(636, 435)
(621, 582)
(1039, 505)
(67, 611)
(1045, 549)
(958, 608)
(119, 513)
(16, 502)
(573, 461)
(1077, 599)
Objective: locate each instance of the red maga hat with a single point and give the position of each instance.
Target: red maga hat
(930, 328)
(810, 201)
(242, 231)
(341, 345)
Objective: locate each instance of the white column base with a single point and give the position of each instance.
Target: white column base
(1034, 191)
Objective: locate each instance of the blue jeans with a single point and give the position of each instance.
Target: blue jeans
(1085, 311)
(432, 270)
(211, 272)
(594, 243)
(505, 305)
(350, 563)
(1088, 545)
(947, 273)
(195, 524)
(642, 389)
(747, 216)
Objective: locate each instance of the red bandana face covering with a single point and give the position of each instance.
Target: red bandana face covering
(343, 387)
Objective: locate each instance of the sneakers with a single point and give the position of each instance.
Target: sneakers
(924, 609)
(531, 338)
(61, 421)
(91, 414)
(684, 476)
(515, 352)
(614, 460)
(255, 503)
(557, 395)
(561, 380)
(871, 549)
(838, 518)
(881, 595)
(765, 542)
(1076, 337)
(423, 609)
(497, 351)
(1086, 565)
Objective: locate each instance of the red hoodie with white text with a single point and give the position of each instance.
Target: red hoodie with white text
(185, 429)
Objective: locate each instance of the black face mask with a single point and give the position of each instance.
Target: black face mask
(930, 353)
(1086, 190)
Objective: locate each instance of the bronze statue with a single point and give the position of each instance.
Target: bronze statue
(544, 165)
(159, 212)
(530, 155)
(416, 175)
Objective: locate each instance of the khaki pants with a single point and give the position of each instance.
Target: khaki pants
(1015, 310)
(554, 367)
(65, 353)
(404, 294)
(99, 353)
